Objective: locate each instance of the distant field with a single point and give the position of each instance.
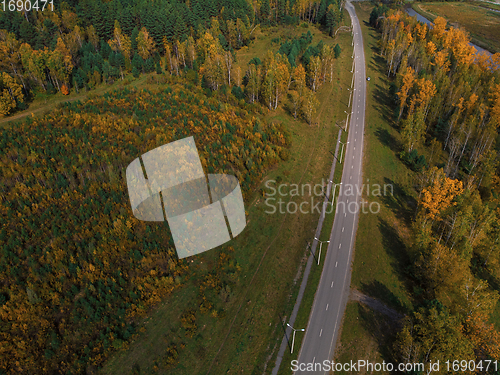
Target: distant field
(487, 4)
(479, 18)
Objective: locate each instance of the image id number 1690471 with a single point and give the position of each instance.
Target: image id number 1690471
(463, 365)
(27, 5)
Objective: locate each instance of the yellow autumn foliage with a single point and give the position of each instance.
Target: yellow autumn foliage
(440, 195)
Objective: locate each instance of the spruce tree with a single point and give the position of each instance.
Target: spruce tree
(126, 20)
(265, 10)
(330, 21)
(120, 60)
(112, 59)
(133, 39)
(98, 18)
(211, 8)
(149, 65)
(155, 24)
(169, 27)
(180, 30)
(320, 16)
(137, 62)
(199, 12)
(49, 33)
(28, 34)
(105, 50)
(337, 50)
(192, 19)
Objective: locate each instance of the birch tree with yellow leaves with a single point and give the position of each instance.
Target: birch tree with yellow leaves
(120, 42)
(299, 78)
(310, 105)
(408, 78)
(145, 44)
(11, 93)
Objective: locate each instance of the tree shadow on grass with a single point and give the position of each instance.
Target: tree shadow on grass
(397, 199)
(376, 289)
(381, 328)
(377, 62)
(384, 104)
(396, 249)
(387, 139)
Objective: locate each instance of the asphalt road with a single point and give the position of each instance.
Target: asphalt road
(331, 297)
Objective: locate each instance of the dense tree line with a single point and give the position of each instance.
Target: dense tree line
(448, 97)
(84, 43)
(76, 270)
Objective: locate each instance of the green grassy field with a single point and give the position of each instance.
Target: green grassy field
(380, 256)
(477, 18)
(269, 252)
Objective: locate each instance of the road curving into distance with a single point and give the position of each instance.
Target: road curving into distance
(331, 297)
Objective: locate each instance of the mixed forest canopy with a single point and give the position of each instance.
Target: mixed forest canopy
(76, 269)
(84, 43)
(447, 102)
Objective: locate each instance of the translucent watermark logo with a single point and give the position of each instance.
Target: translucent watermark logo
(320, 198)
(168, 183)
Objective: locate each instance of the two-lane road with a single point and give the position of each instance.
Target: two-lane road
(333, 289)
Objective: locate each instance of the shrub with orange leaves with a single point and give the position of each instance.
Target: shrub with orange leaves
(65, 90)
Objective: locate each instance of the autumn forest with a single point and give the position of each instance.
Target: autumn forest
(70, 252)
(78, 274)
(447, 102)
